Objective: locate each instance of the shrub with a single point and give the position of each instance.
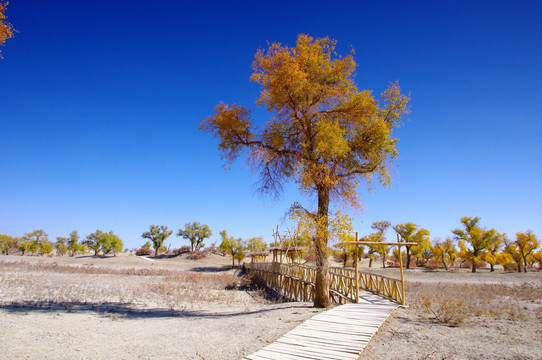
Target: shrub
(198, 255)
(143, 251)
(309, 257)
(444, 310)
(433, 264)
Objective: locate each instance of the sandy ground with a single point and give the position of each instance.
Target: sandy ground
(495, 327)
(57, 315)
(60, 313)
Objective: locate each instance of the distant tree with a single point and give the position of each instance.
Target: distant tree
(511, 251)
(526, 242)
(105, 242)
(6, 29)
(345, 250)
(7, 243)
(445, 250)
(111, 243)
(409, 232)
(93, 241)
(24, 245)
(256, 244)
(73, 243)
(147, 245)
(157, 234)
(37, 236)
(239, 256)
(196, 233)
(373, 249)
(505, 259)
(324, 133)
(46, 249)
(231, 246)
(61, 245)
(490, 255)
(473, 241)
(382, 250)
(36, 240)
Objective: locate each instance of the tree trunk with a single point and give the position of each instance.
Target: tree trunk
(473, 266)
(444, 263)
(491, 267)
(321, 289)
(407, 257)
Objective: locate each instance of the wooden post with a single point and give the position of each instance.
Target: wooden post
(356, 270)
(403, 300)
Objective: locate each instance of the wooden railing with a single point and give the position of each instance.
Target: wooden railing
(297, 282)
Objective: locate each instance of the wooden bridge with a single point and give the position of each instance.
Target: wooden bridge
(297, 282)
(337, 334)
(340, 333)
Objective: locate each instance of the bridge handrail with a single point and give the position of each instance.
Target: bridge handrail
(294, 279)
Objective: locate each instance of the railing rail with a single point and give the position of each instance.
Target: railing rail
(297, 282)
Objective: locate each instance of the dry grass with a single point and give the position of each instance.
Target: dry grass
(52, 285)
(452, 303)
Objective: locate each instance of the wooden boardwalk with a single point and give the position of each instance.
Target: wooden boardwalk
(340, 333)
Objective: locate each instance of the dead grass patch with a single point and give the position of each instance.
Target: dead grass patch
(43, 285)
(452, 303)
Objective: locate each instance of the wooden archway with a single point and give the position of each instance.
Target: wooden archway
(369, 243)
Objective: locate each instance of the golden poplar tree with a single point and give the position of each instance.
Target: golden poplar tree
(6, 29)
(323, 133)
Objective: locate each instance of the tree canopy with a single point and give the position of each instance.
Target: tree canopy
(196, 233)
(324, 133)
(409, 232)
(106, 242)
(474, 241)
(6, 29)
(235, 247)
(157, 234)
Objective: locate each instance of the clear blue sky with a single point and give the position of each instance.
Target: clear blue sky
(100, 103)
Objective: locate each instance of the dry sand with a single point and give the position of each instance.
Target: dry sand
(121, 316)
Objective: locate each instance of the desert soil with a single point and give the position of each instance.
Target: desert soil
(175, 308)
(502, 318)
(49, 314)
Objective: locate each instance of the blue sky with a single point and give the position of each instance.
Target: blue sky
(100, 103)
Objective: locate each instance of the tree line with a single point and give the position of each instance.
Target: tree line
(196, 233)
(469, 244)
(37, 242)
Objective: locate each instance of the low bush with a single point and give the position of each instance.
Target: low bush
(443, 309)
(143, 251)
(198, 255)
(309, 257)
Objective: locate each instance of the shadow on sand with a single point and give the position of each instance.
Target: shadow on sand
(212, 269)
(128, 311)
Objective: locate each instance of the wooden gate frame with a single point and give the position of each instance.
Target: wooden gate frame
(371, 243)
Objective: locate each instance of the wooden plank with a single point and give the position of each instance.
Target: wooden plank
(310, 352)
(277, 355)
(336, 334)
(326, 336)
(306, 341)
